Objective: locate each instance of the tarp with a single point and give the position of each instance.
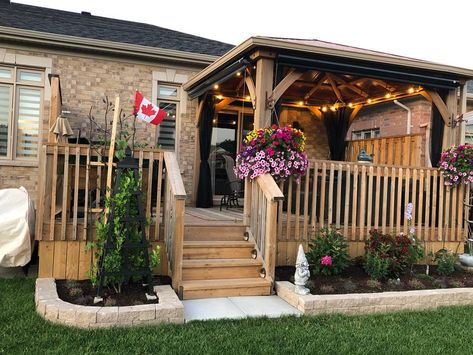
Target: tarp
(16, 227)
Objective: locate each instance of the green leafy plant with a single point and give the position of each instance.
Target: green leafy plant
(124, 203)
(456, 284)
(445, 261)
(328, 253)
(376, 266)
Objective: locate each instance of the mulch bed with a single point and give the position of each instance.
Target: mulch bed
(83, 293)
(355, 280)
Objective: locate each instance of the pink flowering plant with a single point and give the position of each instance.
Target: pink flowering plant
(328, 252)
(278, 151)
(456, 165)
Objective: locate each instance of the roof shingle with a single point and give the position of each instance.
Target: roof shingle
(102, 28)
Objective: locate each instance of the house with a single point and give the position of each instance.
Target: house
(217, 93)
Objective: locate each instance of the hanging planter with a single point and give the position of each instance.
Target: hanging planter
(278, 151)
(456, 164)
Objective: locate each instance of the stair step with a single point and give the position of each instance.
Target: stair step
(209, 269)
(208, 249)
(221, 232)
(225, 288)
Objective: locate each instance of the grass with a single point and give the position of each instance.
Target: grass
(444, 331)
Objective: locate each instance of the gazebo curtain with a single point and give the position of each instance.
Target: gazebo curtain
(204, 189)
(437, 134)
(336, 123)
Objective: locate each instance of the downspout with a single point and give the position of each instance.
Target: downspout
(409, 115)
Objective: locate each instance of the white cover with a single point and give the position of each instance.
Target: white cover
(16, 227)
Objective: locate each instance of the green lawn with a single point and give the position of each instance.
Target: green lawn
(448, 330)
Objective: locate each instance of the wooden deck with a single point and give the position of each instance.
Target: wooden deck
(213, 216)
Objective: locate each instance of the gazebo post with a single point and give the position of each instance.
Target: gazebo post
(462, 110)
(264, 87)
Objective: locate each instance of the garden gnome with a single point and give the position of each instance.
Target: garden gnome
(302, 272)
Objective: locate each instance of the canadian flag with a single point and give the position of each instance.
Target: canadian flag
(146, 111)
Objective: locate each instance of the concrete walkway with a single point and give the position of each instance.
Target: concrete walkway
(237, 307)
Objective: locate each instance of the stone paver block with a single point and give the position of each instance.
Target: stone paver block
(107, 315)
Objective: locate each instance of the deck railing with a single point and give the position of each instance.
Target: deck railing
(71, 194)
(356, 198)
(262, 196)
(174, 208)
(400, 150)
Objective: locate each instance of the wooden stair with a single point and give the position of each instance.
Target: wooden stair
(218, 262)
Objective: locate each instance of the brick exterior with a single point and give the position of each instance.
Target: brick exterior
(392, 119)
(85, 80)
(314, 130)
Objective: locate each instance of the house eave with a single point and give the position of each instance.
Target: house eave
(108, 47)
(281, 46)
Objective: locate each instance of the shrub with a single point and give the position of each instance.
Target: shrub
(328, 253)
(445, 262)
(439, 284)
(374, 284)
(415, 284)
(110, 302)
(396, 254)
(327, 289)
(376, 266)
(394, 284)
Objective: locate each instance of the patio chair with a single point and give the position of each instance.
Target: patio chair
(233, 190)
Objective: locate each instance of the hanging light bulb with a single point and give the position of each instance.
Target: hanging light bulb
(388, 95)
(411, 90)
(238, 73)
(248, 97)
(324, 108)
(333, 108)
(369, 101)
(219, 97)
(301, 103)
(216, 86)
(350, 104)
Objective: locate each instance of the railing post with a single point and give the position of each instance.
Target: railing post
(271, 238)
(178, 244)
(247, 203)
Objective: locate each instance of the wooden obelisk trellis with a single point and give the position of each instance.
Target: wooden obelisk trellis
(135, 221)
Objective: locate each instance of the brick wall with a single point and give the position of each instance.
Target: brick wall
(392, 119)
(86, 80)
(314, 130)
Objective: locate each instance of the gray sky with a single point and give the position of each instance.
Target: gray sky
(440, 31)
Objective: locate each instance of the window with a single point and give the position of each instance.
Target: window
(365, 134)
(168, 99)
(20, 112)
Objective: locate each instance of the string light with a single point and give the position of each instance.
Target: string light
(350, 105)
(369, 101)
(388, 95)
(216, 86)
(333, 108)
(220, 97)
(411, 90)
(248, 97)
(324, 108)
(301, 103)
(238, 74)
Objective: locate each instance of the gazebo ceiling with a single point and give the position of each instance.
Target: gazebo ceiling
(325, 89)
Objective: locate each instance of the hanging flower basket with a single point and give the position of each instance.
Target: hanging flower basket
(278, 151)
(456, 165)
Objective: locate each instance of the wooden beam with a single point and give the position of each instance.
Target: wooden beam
(264, 88)
(317, 84)
(353, 114)
(441, 106)
(55, 106)
(383, 84)
(111, 150)
(349, 86)
(334, 87)
(250, 84)
(315, 111)
(461, 112)
(224, 103)
(284, 84)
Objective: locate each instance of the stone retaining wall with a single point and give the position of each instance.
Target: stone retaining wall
(169, 309)
(363, 303)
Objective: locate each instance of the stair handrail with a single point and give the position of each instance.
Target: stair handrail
(173, 217)
(262, 196)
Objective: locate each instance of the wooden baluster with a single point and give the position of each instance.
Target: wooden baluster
(392, 202)
(330, 194)
(433, 222)
(346, 218)
(322, 195)
(428, 196)
(361, 235)
(420, 203)
(148, 193)
(52, 221)
(354, 203)
(306, 203)
(314, 195)
(65, 194)
(453, 194)
(440, 200)
(157, 223)
(406, 197)
(86, 194)
(377, 207)
(369, 209)
(384, 214)
(399, 201)
(339, 195)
